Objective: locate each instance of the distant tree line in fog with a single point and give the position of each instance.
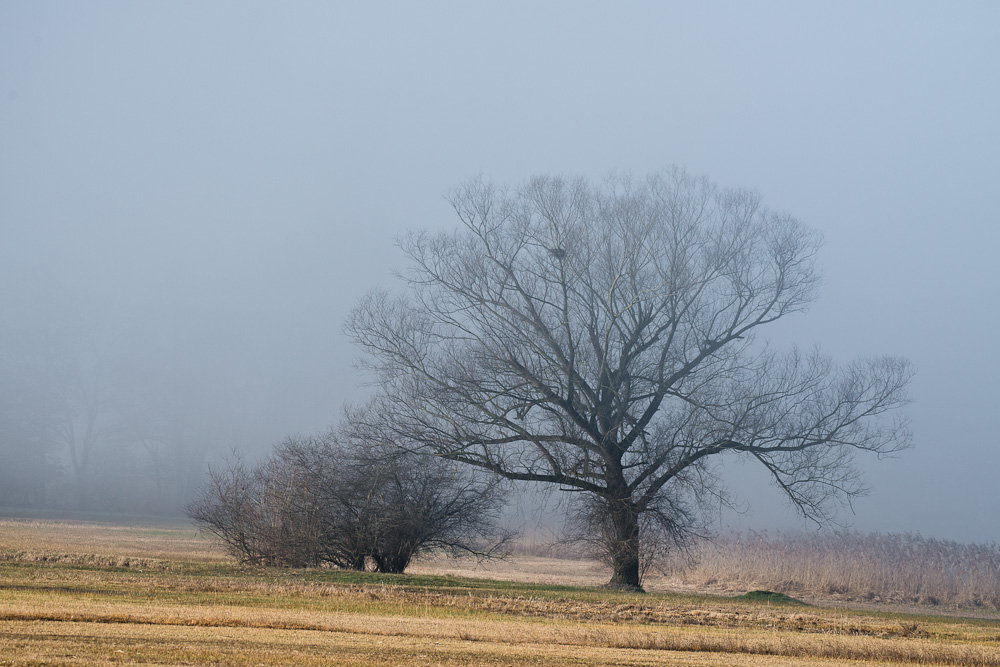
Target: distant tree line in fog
(98, 429)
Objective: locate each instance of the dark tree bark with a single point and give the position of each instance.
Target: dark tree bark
(625, 573)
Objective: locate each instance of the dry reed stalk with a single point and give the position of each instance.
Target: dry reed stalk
(896, 568)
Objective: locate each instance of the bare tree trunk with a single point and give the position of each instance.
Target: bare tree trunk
(624, 549)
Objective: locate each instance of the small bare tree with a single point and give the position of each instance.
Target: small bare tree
(230, 506)
(603, 339)
(333, 499)
(379, 505)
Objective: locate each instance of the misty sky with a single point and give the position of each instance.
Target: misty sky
(212, 186)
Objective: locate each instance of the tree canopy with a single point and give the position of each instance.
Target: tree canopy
(604, 338)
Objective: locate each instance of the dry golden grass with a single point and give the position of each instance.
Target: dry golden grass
(533, 569)
(79, 644)
(484, 637)
(100, 607)
(67, 540)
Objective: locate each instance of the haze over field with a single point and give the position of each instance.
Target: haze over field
(193, 196)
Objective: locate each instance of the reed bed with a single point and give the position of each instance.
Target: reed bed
(899, 568)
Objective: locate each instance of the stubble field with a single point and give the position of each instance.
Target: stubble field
(99, 594)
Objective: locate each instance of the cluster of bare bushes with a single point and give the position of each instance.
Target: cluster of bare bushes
(847, 565)
(326, 500)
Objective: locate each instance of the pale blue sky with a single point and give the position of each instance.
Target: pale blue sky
(230, 176)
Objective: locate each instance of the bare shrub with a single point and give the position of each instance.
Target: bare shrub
(328, 499)
(232, 506)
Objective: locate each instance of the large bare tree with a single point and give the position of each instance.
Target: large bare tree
(602, 338)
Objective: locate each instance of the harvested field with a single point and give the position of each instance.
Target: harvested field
(168, 596)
